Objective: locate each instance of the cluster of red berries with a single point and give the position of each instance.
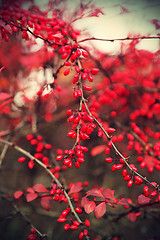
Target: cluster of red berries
(40, 148)
(33, 234)
(75, 155)
(74, 224)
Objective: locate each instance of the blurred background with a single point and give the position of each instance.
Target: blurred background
(120, 19)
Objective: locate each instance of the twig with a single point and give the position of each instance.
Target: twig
(18, 211)
(117, 39)
(117, 151)
(27, 154)
(134, 209)
(3, 153)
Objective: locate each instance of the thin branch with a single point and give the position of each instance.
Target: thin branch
(134, 209)
(117, 151)
(28, 30)
(3, 153)
(117, 39)
(18, 211)
(27, 154)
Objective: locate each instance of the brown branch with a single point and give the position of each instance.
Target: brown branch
(117, 151)
(30, 156)
(117, 39)
(134, 209)
(28, 30)
(18, 211)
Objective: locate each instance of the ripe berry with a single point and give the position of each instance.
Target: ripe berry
(73, 227)
(95, 71)
(81, 235)
(21, 159)
(78, 210)
(87, 223)
(108, 159)
(87, 88)
(30, 164)
(124, 172)
(130, 183)
(66, 226)
(66, 72)
(59, 157)
(33, 230)
(111, 130)
(61, 219)
(85, 54)
(31, 237)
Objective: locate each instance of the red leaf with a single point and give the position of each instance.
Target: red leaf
(95, 13)
(2, 23)
(108, 193)
(31, 196)
(5, 26)
(45, 203)
(8, 28)
(124, 202)
(95, 192)
(39, 188)
(124, 10)
(132, 217)
(75, 188)
(100, 210)
(143, 199)
(156, 23)
(30, 190)
(84, 201)
(97, 150)
(18, 194)
(4, 96)
(89, 206)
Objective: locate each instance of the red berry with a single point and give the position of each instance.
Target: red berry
(66, 226)
(139, 179)
(31, 237)
(124, 172)
(48, 146)
(21, 159)
(66, 72)
(73, 227)
(90, 78)
(85, 54)
(33, 230)
(111, 130)
(95, 71)
(85, 232)
(81, 235)
(65, 212)
(67, 64)
(59, 157)
(87, 88)
(108, 159)
(77, 69)
(31, 164)
(77, 165)
(87, 223)
(127, 177)
(61, 219)
(76, 223)
(107, 150)
(29, 137)
(78, 210)
(130, 183)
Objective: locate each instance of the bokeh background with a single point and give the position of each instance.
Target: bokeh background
(120, 19)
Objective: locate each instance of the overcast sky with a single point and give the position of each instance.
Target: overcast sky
(114, 24)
